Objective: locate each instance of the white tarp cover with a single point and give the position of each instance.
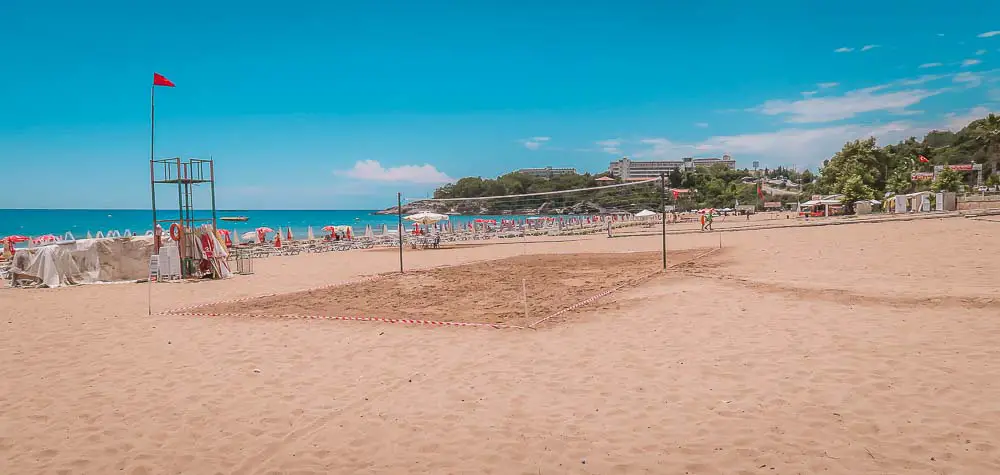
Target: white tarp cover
(85, 261)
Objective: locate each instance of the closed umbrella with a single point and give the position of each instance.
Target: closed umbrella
(309, 233)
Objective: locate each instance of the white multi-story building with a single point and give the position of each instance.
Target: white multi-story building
(628, 169)
(547, 172)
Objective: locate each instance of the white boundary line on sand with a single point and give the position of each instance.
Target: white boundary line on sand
(627, 284)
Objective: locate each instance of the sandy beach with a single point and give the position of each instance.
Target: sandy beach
(856, 349)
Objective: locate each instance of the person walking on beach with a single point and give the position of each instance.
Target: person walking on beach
(708, 221)
(702, 219)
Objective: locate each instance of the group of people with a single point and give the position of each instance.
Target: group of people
(706, 221)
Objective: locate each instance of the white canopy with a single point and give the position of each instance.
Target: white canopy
(645, 213)
(426, 218)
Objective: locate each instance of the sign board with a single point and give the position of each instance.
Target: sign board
(154, 268)
(816, 197)
(756, 164)
(772, 204)
(961, 167)
(669, 208)
(919, 176)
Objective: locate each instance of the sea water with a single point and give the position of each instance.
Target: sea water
(36, 222)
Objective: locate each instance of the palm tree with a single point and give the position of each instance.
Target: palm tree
(988, 136)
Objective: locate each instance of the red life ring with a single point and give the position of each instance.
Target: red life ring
(175, 232)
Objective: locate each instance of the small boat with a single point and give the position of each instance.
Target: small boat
(238, 219)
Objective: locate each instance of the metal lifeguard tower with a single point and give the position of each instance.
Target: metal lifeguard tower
(186, 176)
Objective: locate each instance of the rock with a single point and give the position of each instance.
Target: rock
(256, 370)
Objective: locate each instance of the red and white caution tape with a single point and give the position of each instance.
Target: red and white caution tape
(352, 318)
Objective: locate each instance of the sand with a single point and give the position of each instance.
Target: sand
(868, 348)
(514, 291)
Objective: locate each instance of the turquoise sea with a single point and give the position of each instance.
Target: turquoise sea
(36, 222)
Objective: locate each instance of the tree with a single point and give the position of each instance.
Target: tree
(899, 182)
(988, 136)
(947, 180)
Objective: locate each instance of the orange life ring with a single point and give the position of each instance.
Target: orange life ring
(175, 232)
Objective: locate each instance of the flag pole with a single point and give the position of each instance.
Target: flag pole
(152, 175)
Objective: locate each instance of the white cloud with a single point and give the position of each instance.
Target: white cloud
(701, 124)
(967, 78)
(827, 85)
(534, 143)
(869, 47)
(372, 170)
(920, 80)
(957, 121)
(843, 50)
(970, 62)
(981, 52)
(808, 145)
(610, 145)
(988, 34)
(661, 147)
(793, 144)
(930, 65)
(852, 103)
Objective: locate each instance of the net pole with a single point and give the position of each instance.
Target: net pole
(663, 217)
(399, 229)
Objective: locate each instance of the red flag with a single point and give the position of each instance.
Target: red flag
(159, 80)
(676, 193)
(923, 159)
(760, 191)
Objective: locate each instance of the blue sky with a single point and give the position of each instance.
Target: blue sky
(341, 104)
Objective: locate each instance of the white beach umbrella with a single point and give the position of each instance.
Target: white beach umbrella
(385, 229)
(645, 214)
(368, 231)
(309, 233)
(235, 237)
(249, 236)
(426, 218)
(89, 236)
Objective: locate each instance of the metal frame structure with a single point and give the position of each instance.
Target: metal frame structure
(186, 175)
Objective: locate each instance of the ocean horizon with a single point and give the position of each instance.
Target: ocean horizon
(78, 222)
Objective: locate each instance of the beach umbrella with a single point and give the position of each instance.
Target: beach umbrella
(385, 229)
(45, 238)
(368, 231)
(426, 218)
(329, 228)
(89, 236)
(264, 229)
(249, 236)
(645, 214)
(309, 233)
(236, 238)
(288, 233)
(17, 238)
